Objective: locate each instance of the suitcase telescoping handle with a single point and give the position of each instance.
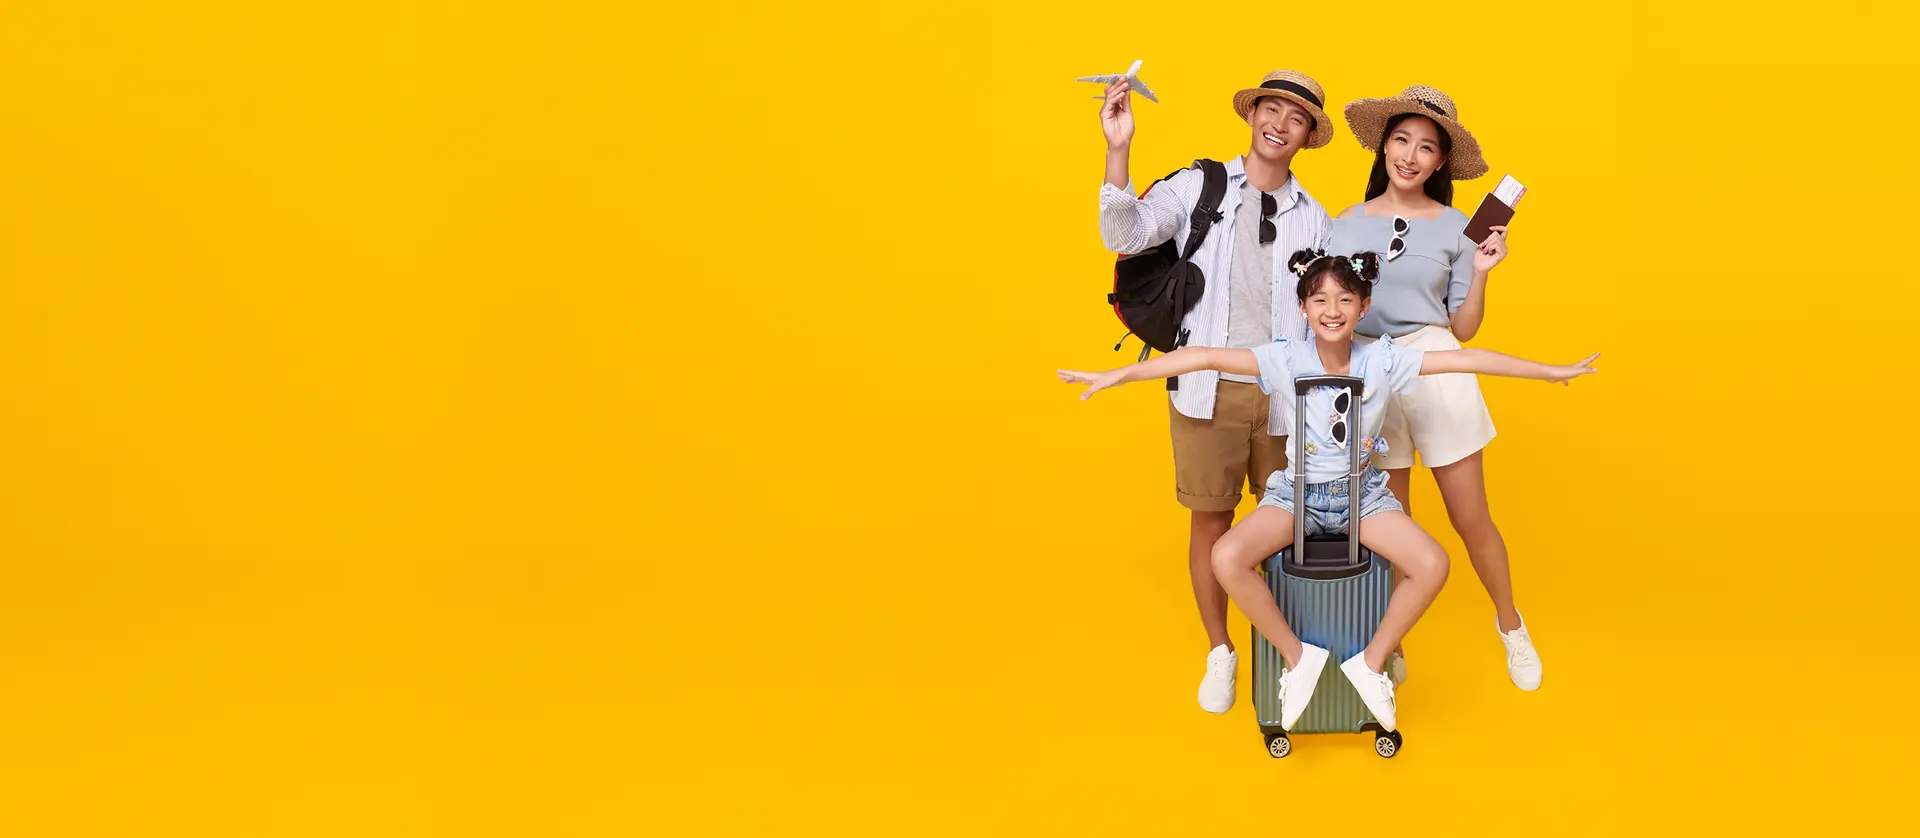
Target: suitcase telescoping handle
(1354, 388)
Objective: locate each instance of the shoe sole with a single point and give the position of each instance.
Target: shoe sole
(1219, 712)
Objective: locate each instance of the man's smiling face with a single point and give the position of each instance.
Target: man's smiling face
(1280, 128)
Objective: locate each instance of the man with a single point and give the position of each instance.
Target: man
(1226, 432)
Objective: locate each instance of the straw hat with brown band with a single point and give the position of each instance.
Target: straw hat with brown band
(1298, 88)
(1368, 119)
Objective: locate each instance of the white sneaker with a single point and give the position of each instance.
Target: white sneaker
(1523, 663)
(1376, 689)
(1397, 669)
(1216, 690)
(1296, 684)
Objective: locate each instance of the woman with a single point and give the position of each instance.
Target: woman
(1432, 295)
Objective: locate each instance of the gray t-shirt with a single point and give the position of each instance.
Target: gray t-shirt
(1385, 370)
(1426, 284)
(1250, 282)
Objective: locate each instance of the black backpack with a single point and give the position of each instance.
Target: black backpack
(1155, 288)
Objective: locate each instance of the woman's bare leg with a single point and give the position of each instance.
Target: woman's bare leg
(1463, 485)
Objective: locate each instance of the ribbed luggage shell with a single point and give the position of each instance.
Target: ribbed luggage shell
(1338, 615)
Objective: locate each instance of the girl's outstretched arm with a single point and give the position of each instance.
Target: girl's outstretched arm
(1178, 362)
(1489, 362)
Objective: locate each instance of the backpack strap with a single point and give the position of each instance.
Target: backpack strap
(1206, 211)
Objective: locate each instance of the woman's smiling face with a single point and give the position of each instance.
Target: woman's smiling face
(1412, 152)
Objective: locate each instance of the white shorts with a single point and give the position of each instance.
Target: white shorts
(1444, 418)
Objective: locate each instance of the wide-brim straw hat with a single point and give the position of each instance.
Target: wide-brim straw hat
(1368, 119)
(1298, 88)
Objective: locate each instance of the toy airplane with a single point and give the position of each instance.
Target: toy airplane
(1133, 81)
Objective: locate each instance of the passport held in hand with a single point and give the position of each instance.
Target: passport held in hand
(1495, 210)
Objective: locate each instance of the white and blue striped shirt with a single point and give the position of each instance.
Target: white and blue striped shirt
(1130, 224)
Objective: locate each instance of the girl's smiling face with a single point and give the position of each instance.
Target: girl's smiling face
(1333, 309)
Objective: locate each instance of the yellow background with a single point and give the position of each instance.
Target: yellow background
(589, 419)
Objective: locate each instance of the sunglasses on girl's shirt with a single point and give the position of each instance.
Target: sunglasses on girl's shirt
(1339, 430)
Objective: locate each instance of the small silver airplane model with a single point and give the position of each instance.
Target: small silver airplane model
(1133, 81)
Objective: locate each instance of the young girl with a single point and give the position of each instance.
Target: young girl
(1335, 293)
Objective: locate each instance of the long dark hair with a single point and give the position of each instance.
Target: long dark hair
(1439, 185)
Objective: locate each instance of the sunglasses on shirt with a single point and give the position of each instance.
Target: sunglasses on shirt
(1339, 430)
(1268, 207)
(1399, 243)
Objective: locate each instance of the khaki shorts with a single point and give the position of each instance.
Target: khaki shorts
(1213, 459)
(1443, 418)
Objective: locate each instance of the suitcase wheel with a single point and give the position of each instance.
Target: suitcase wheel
(1386, 743)
(1278, 745)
